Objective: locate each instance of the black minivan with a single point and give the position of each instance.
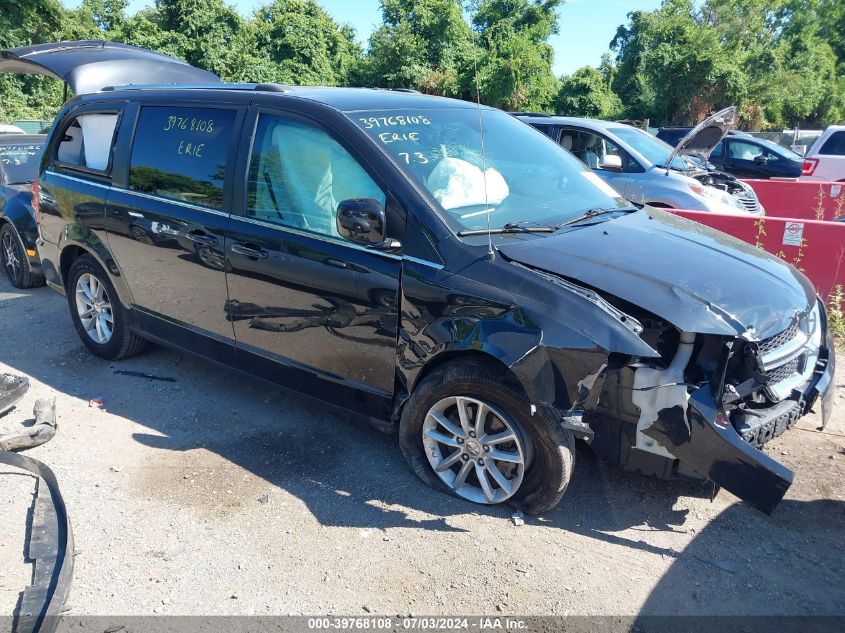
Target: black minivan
(430, 264)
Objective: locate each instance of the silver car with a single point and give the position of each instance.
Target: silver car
(646, 170)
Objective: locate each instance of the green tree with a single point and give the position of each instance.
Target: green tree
(208, 30)
(587, 92)
(28, 22)
(515, 59)
(422, 44)
(672, 68)
(297, 42)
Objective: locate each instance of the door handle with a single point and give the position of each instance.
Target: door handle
(201, 237)
(337, 263)
(249, 250)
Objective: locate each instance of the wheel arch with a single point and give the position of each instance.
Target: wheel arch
(440, 360)
(465, 356)
(72, 249)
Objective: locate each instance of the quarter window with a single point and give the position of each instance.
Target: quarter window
(88, 141)
(181, 153)
(835, 145)
(298, 175)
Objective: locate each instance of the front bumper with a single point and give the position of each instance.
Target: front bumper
(705, 441)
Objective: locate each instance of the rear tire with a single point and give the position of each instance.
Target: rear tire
(99, 317)
(15, 262)
(546, 448)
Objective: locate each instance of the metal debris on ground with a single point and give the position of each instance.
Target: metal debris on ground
(96, 403)
(141, 374)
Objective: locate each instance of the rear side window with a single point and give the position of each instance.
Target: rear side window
(181, 153)
(88, 141)
(835, 145)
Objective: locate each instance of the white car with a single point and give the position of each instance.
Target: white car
(10, 129)
(646, 170)
(825, 160)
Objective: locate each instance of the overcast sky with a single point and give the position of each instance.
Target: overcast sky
(586, 26)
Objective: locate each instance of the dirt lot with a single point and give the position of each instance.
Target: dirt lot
(215, 494)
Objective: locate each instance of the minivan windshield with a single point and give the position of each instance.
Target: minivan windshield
(19, 163)
(650, 147)
(521, 176)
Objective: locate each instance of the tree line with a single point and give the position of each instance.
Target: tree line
(781, 61)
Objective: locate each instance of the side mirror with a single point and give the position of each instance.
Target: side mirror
(761, 160)
(610, 162)
(363, 221)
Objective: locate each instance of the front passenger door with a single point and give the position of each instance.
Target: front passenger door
(741, 159)
(310, 310)
(591, 148)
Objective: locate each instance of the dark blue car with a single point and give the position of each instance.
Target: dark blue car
(745, 156)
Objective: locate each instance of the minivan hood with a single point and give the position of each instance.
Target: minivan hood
(696, 278)
(90, 65)
(704, 137)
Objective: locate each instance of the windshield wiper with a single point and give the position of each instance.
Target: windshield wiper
(511, 227)
(595, 212)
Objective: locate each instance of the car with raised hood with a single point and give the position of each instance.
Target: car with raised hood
(20, 156)
(646, 170)
(489, 302)
(745, 156)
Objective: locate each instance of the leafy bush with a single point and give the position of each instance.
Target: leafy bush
(836, 317)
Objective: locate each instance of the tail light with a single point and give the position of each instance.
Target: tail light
(809, 166)
(36, 200)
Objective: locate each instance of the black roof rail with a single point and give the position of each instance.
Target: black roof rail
(543, 114)
(265, 87)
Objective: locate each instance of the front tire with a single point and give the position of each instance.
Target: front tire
(99, 317)
(14, 260)
(467, 429)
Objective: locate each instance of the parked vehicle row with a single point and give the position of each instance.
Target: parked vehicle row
(646, 170)
(431, 264)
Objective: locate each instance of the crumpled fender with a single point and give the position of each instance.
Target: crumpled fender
(555, 342)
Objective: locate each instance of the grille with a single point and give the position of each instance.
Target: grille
(749, 202)
(784, 371)
(779, 340)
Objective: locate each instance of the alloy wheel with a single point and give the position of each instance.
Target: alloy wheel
(476, 450)
(94, 308)
(11, 259)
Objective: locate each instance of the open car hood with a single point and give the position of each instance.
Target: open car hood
(89, 66)
(698, 279)
(704, 137)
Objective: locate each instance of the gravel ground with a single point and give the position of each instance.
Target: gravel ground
(216, 494)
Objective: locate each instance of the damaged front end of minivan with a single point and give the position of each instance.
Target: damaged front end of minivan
(722, 377)
(710, 403)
